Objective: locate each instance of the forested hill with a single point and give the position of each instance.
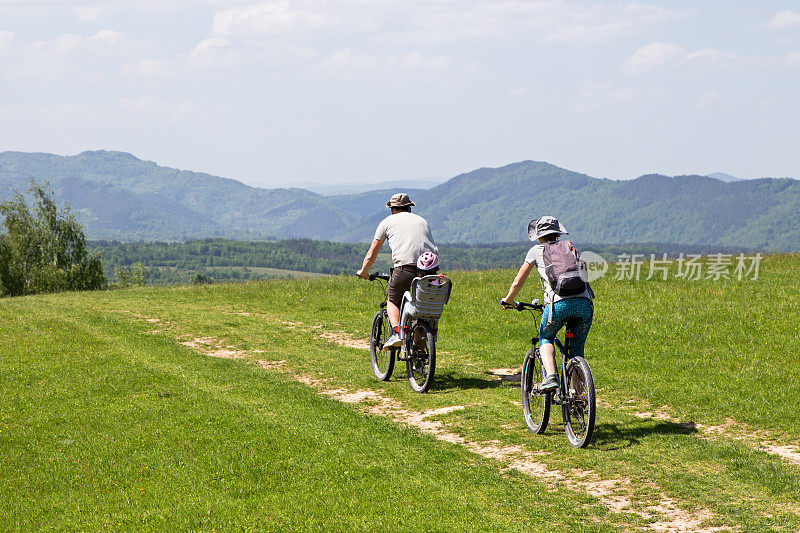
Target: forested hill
(118, 196)
(495, 205)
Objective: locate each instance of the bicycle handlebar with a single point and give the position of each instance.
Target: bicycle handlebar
(522, 306)
(378, 275)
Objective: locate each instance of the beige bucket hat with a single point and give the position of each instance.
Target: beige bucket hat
(400, 199)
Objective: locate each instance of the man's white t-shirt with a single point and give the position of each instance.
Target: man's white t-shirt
(409, 237)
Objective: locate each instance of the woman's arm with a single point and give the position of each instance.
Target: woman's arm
(518, 282)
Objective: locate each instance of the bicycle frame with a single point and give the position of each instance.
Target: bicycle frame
(564, 349)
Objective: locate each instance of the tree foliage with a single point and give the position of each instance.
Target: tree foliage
(134, 276)
(226, 260)
(43, 249)
(201, 279)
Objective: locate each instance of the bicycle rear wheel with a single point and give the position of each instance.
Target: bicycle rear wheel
(382, 360)
(535, 404)
(421, 351)
(579, 403)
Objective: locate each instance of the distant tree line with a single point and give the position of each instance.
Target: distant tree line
(228, 260)
(298, 254)
(44, 249)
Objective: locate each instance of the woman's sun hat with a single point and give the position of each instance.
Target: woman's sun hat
(545, 225)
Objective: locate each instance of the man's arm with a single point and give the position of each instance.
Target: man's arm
(370, 258)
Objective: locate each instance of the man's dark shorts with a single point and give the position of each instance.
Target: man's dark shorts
(400, 282)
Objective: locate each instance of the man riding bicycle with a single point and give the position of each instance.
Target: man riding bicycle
(409, 238)
(575, 309)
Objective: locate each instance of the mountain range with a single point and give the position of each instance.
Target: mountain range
(354, 188)
(118, 196)
(721, 176)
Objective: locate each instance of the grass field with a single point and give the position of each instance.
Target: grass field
(108, 421)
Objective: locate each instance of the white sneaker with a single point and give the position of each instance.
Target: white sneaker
(394, 341)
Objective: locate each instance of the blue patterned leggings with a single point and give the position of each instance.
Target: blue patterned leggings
(574, 312)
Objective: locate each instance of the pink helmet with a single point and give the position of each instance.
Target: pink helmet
(427, 261)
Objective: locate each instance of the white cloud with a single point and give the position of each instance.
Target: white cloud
(347, 59)
(87, 14)
(71, 54)
(215, 52)
(651, 14)
(347, 62)
(106, 111)
(709, 55)
(146, 68)
(109, 37)
(781, 21)
(528, 93)
(101, 42)
(154, 105)
(258, 56)
(6, 38)
(277, 17)
(606, 95)
(586, 33)
(708, 99)
(655, 56)
(663, 56)
(792, 60)
(63, 44)
(434, 21)
(594, 23)
(417, 61)
(520, 92)
(87, 9)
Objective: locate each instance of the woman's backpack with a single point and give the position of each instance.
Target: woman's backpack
(566, 271)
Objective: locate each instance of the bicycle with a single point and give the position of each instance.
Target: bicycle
(419, 325)
(575, 393)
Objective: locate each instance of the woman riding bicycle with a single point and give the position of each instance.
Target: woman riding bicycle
(575, 309)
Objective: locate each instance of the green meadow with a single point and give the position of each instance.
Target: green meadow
(109, 422)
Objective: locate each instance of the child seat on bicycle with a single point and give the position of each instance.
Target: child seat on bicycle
(426, 298)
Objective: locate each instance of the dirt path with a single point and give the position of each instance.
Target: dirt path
(758, 440)
(666, 515)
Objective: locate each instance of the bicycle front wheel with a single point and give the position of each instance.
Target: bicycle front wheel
(579, 406)
(421, 351)
(382, 360)
(535, 404)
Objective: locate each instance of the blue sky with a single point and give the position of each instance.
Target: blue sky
(335, 91)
